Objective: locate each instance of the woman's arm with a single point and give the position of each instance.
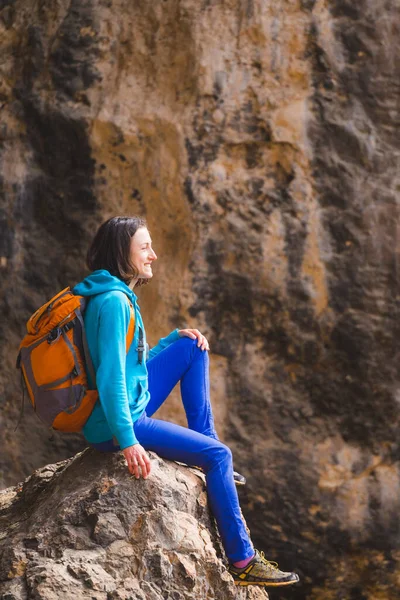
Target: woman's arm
(164, 343)
(114, 320)
(174, 336)
(113, 325)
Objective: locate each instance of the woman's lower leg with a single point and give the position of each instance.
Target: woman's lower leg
(178, 443)
(183, 361)
(195, 391)
(224, 503)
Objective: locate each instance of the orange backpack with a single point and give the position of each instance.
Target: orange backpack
(54, 357)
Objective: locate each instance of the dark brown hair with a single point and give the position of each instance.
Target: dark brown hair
(110, 248)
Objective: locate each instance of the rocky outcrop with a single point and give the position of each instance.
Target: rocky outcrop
(260, 139)
(86, 529)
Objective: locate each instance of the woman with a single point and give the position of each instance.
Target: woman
(131, 389)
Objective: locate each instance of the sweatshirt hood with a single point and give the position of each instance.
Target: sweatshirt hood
(102, 281)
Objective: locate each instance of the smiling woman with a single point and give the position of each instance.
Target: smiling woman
(133, 386)
(112, 245)
(142, 255)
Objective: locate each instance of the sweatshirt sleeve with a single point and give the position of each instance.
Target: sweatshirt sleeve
(164, 343)
(114, 319)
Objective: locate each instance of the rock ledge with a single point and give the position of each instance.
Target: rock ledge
(85, 529)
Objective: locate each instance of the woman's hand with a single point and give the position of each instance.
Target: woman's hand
(138, 461)
(195, 334)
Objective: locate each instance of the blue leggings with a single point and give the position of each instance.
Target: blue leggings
(199, 445)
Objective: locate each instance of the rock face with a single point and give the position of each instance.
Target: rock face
(85, 528)
(260, 140)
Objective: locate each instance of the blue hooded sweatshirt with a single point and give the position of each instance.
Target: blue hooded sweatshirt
(121, 378)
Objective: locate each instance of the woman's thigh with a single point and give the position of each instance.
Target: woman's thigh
(166, 369)
(174, 442)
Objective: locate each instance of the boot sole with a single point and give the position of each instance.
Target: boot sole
(265, 583)
(201, 471)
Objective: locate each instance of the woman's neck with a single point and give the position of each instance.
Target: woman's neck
(132, 283)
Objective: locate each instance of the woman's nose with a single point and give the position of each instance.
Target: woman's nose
(153, 255)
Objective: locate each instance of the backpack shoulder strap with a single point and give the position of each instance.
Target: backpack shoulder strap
(85, 345)
(131, 328)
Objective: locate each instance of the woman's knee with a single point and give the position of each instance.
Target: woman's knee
(220, 455)
(190, 346)
(186, 342)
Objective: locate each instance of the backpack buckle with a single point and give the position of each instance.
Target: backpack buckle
(141, 347)
(54, 335)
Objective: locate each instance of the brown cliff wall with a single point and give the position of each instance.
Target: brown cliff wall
(259, 139)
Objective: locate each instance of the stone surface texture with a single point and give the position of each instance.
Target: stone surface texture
(260, 139)
(85, 528)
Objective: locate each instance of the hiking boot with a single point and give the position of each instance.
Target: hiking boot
(262, 572)
(239, 479)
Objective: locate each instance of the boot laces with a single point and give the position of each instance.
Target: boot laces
(270, 563)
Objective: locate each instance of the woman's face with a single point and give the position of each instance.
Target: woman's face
(142, 254)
